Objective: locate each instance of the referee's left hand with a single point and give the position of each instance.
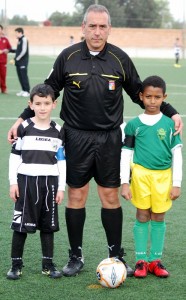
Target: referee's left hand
(178, 123)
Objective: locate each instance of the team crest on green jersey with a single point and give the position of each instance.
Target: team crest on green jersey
(161, 133)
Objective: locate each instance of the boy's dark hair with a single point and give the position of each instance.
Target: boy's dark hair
(154, 81)
(42, 90)
(1, 26)
(19, 29)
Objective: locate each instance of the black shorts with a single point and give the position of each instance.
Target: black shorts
(36, 207)
(93, 154)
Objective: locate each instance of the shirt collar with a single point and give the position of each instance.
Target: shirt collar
(86, 53)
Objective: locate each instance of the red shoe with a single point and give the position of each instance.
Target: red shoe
(156, 268)
(141, 269)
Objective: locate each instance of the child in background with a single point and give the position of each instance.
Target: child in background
(37, 175)
(156, 175)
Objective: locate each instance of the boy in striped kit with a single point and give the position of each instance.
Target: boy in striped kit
(156, 175)
(37, 175)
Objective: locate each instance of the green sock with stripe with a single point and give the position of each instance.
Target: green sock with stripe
(140, 231)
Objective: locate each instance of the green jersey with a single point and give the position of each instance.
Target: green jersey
(152, 144)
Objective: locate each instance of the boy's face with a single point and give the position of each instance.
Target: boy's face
(152, 98)
(42, 107)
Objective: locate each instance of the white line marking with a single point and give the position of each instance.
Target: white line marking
(57, 118)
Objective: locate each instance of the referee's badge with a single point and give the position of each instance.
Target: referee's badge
(112, 85)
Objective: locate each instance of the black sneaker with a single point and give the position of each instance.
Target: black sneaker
(50, 270)
(130, 271)
(74, 265)
(16, 271)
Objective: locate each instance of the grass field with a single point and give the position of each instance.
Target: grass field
(33, 285)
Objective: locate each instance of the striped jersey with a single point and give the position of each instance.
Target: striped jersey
(38, 152)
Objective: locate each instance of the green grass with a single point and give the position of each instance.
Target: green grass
(33, 285)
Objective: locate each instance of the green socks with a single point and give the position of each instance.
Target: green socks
(157, 236)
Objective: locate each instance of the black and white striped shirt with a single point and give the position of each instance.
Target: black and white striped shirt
(38, 152)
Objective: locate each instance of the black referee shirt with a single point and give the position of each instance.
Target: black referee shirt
(93, 97)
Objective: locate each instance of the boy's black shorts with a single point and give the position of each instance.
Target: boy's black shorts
(93, 154)
(36, 207)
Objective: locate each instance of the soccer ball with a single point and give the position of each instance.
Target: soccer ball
(111, 272)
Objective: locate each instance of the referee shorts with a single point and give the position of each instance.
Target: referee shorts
(151, 189)
(93, 154)
(36, 207)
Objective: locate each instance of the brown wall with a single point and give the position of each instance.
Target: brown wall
(122, 37)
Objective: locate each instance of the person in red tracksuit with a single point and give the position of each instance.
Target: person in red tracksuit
(5, 46)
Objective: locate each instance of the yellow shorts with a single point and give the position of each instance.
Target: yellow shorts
(151, 189)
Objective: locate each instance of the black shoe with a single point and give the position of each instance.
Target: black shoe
(130, 271)
(16, 270)
(74, 265)
(50, 270)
